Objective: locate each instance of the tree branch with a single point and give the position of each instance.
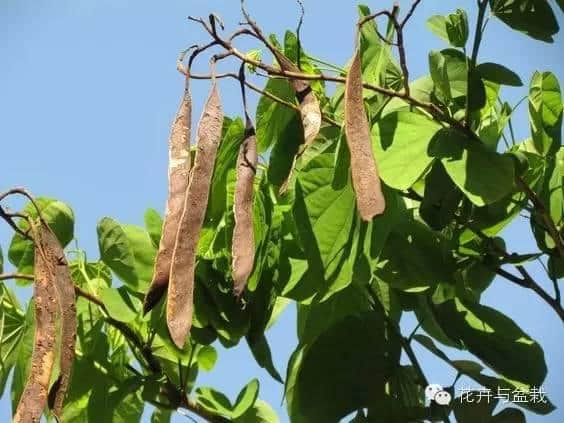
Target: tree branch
(134, 339)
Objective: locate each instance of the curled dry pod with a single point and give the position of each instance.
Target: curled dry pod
(310, 110)
(179, 307)
(34, 396)
(178, 178)
(366, 180)
(243, 243)
(66, 299)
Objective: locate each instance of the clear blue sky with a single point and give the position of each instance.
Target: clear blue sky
(88, 89)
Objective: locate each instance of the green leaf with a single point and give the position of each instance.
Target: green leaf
(509, 415)
(246, 399)
(545, 112)
(213, 401)
(154, 226)
(473, 168)
(12, 330)
(441, 198)
(532, 17)
(376, 55)
(119, 304)
(263, 356)
(474, 371)
(232, 136)
(315, 371)
(1, 260)
(421, 89)
(318, 317)
(207, 357)
(22, 352)
(260, 412)
(414, 258)
(115, 250)
(449, 70)
(452, 28)
(60, 219)
(272, 118)
(473, 408)
(400, 143)
(499, 74)
(495, 339)
(437, 25)
(144, 253)
(116, 404)
(128, 251)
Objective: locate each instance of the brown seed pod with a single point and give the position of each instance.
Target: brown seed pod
(366, 180)
(66, 299)
(178, 178)
(34, 396)
(243, 243)
(310, 110)
(181, 284)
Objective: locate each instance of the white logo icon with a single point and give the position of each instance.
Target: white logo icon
(435, 392)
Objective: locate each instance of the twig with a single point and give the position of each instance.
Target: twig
(541, 209)
(263, 92)
(8, 217)
(7, 276)
(25, 193)
(526, 281)
(482, 5)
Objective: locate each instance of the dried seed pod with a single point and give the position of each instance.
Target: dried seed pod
(243, 244)
(310, 110)
(181, 284)
(66, 299)
(34, 396)
(243, 241)
(366, 180)
(178, 178)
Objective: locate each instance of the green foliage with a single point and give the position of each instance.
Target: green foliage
(452, 28)
(451, 186)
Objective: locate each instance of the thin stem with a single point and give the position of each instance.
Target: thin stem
(8, 217)
(526, 281)
(8, 276)
(545, 215)
(479, 32)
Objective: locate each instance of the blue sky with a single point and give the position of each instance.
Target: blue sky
(88, 90)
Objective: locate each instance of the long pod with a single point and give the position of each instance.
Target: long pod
(178, 178)
(243, 242)
(179, 308)
(66, 299)
(365, 177)
(34, 396)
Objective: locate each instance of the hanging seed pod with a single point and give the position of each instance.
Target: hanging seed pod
(181, 285)
(66, 299)
(243, 242)
(178, 178)
(310, 110)
(34, 396)
(366, 180)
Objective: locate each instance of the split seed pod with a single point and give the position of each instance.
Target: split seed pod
(34, 396)
(365, 177)
(243, 242)
(66, 299)
(180, 306)
(178, 178)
